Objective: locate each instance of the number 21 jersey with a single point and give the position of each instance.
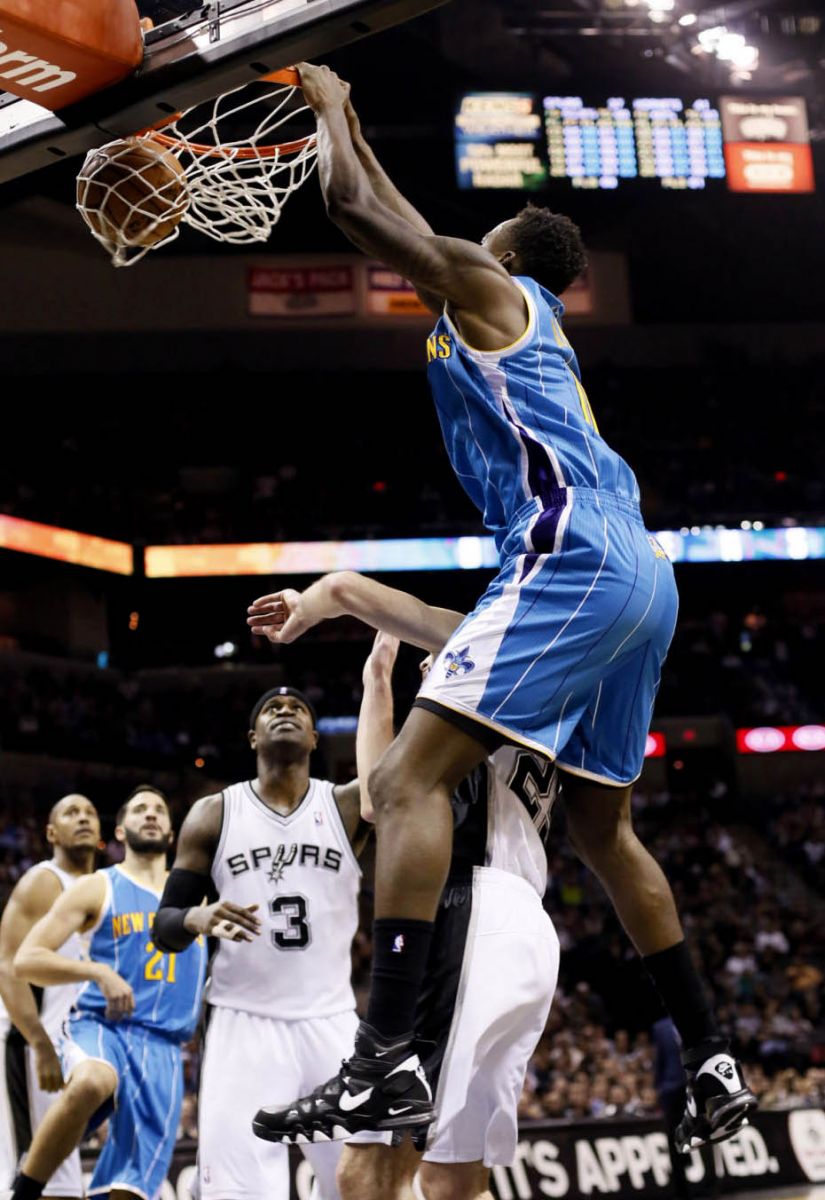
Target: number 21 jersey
(302, 873)
(167, 987)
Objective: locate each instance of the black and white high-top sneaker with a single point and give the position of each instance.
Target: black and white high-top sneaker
(719, 1100)
(383, 1086)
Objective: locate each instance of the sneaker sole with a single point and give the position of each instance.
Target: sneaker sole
(730, 1118)
(725, 1121)
(302, 1135)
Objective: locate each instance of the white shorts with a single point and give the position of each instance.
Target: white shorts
(23, 1105)
(490, 982)
(249, 1062)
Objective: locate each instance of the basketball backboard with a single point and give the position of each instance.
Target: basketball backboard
(194, 52)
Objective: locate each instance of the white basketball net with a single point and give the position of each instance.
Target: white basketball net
(235, 189)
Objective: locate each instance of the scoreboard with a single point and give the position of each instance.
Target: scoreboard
(678, 144)
(521, 141)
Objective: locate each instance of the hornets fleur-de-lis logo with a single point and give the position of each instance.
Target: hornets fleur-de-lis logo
(657, 549)
(458, 662)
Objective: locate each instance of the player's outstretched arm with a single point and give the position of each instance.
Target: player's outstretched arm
(285, 616)
(182, 915)
(375, 720)
(385, 190)
(451, 271)
(387, 193)
(31, 899)
(38, 961)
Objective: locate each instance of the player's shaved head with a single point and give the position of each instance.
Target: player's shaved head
(73, 831)
(64, 802)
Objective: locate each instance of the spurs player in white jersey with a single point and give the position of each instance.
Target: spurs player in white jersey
(490, 979)
(280, 851)
(31, 1019)
(493, 963)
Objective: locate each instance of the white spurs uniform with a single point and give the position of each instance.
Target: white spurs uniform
(282, 1007)
(22, 1103)
(493, 964)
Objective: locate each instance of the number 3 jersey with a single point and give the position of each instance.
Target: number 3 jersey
(167, 987)
(302, 873)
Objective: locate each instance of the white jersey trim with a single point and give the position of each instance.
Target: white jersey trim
(279, 818)
(221, 843)
(341, 829)
(506, 351)
(104, 907)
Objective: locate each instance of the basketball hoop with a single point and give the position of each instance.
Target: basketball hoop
(236, 182)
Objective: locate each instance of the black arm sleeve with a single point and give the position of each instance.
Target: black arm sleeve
(184, 889)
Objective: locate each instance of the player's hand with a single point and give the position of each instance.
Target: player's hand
(47, 1066)
(223, 919)
(321, 87)
(284, 616)
(120, 999)
(382, 657)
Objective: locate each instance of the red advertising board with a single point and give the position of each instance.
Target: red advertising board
(766, 144)
(771, 739)
(776, 168)
(303, 290)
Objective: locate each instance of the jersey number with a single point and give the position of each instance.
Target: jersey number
(154, 968)
(296, 933)
(534, 782)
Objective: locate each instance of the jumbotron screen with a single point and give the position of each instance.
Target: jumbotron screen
(522, 141)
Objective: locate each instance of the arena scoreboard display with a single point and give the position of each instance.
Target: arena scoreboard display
(525, 142)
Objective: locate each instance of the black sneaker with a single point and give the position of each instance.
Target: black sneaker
(719, 1102)
(383, 1086)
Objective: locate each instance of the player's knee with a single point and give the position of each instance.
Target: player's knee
(462, 1181)
(389, 785)
(91, 1084)
(600, 827)
(356, 1176)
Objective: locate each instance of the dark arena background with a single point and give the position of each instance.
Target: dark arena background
(218, 422)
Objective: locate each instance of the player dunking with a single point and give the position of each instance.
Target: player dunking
(278, 851)
(122, 1047)
(562, 653)
(31, 1025)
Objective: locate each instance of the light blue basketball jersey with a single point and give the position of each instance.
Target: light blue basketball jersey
(167, 987)
(517, 423)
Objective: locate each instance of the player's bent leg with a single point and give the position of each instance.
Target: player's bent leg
(601, 829)
(378, 1172)
(454, 1181)
(67, 1181)
(411, 789)
(90, 1085)
(250, 1058)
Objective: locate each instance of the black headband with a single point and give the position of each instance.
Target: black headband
(282, 691)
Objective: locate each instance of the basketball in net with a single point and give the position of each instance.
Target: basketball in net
(225, 168)
(132, 194)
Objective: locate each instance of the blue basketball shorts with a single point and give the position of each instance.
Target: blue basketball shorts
(563, 653)
(147, 1102)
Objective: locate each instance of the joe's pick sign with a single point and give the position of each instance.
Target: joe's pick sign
(766, 144)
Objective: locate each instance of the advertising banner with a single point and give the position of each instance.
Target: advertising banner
(623, 1159)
